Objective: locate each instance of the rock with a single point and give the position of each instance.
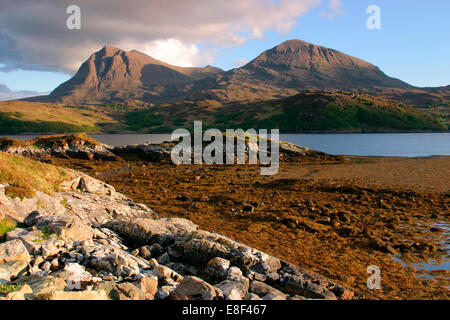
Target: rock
(13, 268)
(262, 290)
(4, 277)
(148, 286)
(274, 296)
(233, 290)
(252, 296)
(77, 276)
(247, 207)
(67, 228)
(196, 289)
(91, 185)
(45, 287)
(164, 258)
(75, 295)
(145, 252)
(158, 230)
(12, 251)
(130, 291)
(163, 272)
(234, 274)
(217, 268)
(24, 293)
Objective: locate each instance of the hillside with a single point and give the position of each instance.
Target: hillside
(310, 111)
(35, 117)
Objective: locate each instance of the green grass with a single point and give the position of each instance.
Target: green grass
(8, 288)
(24, 176)
(6, 225)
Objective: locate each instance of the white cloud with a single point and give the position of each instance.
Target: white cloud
(174, 52)
(34, 36)
(240, 62)
(335, 7)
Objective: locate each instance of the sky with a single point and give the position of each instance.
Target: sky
(38, 52)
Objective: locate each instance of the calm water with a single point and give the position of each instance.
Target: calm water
(370, 144)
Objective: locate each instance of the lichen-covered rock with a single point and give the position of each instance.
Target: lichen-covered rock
(13, 250)
(148, 230)
(14, 268)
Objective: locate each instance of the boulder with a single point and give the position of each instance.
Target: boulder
(217, 268)
(148, 286)
(144, 230)
(24, 293)
(13, 268)
(263, 290)
(75, 295)
(12, 251)
(233, 290)
(196, 289)
(45, 287)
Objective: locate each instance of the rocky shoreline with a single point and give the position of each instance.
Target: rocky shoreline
(89, 242)
(98, 245)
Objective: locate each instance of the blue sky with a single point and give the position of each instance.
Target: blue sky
(413, 44)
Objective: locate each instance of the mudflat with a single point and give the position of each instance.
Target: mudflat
(336, 219)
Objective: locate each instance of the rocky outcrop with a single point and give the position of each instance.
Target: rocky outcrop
(77, 146)
(90, 242)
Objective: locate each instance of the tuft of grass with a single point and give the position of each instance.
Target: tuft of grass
(24, 176)
(8, 288)
(6, 225)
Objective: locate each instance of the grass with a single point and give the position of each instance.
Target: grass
(8, 288)
(34, 117)
(6, 225)
(24, 176)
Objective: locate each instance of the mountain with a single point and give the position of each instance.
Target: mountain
(112, 74)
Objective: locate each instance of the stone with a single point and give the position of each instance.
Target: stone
(4, 277)
(45, 287)
(261, 289)
(164, 258)
(217, 268)
(163, 272)
(148, 286)
(65, 227)
(130, 291)
(14, 268)
(159, 230)
(13, 250)
(24, 293)
(234, 273)
(196, 289)
(76, 295)
(233, 290)
(252, 296)
(268, 264)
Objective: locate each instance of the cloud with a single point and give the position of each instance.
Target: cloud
(34, 35)
(240, 62)
(7, 94)
(335, 7)
(174, 52)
